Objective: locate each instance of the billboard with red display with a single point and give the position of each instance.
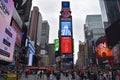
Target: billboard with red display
(103, 53)
(66, 45)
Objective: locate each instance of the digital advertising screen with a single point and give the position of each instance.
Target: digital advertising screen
(7, 43)
(56, 44)
(103, 53)
(66, 29)
(66, 45)
(19, 33)
(67, 65)
(102, 49)
(65, 4)
(30, 60)
(6, 10)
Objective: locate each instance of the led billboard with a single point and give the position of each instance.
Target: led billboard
(7, 43)
(19, 33)
(6, 10)
(67, 64)
(103, 53)
(65, 4)
(66, 29)
(66, 45)
(102, 49)
(30, 51)
(56, 44)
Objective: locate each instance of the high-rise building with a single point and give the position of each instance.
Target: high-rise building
(39, 33)
(34, 24)
(93, 30)
(82, 55)
(94, 26)
(39, 30)
(112, 8)
(66, 36)
(51, 53)
(103, 11)
(23, 7)
(44, 37)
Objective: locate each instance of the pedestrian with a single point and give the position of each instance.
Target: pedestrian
(38, 75)
(58, 75)
(51, 76)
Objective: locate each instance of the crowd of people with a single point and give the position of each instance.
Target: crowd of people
(79, 74)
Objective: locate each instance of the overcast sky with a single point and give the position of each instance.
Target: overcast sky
(50, 10)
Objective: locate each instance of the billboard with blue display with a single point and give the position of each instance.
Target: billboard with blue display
(65, 4)
(66, 29)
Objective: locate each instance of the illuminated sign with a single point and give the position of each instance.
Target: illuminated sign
(3, 8)
(66, 45)
(56, 44)
(30, 60)
(66, 29)
(31, 51)
(19, 33)
(6, 10)
(102, 49)
(65, 4)
(103, 53)
(7, 43)
(66, 13)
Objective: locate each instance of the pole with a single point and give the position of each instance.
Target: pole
(16, 70)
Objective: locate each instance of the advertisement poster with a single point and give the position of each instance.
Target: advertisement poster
(66, 45)
(7, 34)
(103, 53)
(7, 43)
(66, 29)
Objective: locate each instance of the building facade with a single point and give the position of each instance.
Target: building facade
(51, 53)
(44, 37)
(93, 30)
(82, 56)
(112, 29)
(34, 24)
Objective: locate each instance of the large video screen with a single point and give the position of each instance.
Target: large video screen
(103, 53)
(102, 49)
(56, 44)
(66, 45)
(7, 43)
(19, 33)
(7, 34)
(66, 29)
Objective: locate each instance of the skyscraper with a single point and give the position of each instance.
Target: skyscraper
(34, 24)
(44, 37)
(93, 30)
(112, 29)
(112, 10)
(66, 36)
